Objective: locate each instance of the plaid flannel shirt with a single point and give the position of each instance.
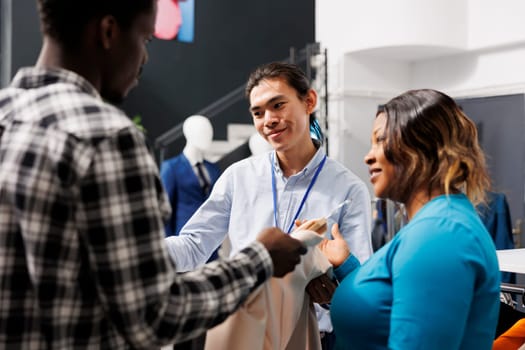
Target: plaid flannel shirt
(82, 258)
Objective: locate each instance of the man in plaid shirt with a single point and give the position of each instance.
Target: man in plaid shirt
(83, 262)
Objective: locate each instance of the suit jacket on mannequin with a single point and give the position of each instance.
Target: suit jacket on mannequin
(188, 186)
(184, 189)
(181, 180)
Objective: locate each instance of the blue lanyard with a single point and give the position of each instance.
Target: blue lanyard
(274, 190)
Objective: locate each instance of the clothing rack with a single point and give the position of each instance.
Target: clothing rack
(513, 288)
(516, 289)
(513, 260)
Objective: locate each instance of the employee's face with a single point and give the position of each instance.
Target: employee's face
(279, 115)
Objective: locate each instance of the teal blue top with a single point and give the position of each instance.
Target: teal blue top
(434, 286)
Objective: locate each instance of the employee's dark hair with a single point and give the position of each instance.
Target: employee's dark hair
(294, 76)
(65, 20)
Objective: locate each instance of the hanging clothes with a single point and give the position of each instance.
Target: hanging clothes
(512, 339)
(495, 215)
(185, 192)
(507, 317)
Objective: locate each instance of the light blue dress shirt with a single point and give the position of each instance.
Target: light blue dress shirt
(241, 205)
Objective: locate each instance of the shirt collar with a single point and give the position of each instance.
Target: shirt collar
(36, 77)
(312, 164)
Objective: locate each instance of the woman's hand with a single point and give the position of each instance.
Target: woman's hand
(336, 250)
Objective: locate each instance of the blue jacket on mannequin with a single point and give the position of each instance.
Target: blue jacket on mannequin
(180, 177)
(184, 190)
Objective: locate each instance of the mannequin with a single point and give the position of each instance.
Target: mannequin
(187, 188)
(198, 132)
(258, 144)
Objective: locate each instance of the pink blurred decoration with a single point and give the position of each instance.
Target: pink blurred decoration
(169, 19)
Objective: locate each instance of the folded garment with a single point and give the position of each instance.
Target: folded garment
(512, 339)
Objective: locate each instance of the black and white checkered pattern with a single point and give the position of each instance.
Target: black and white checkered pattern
(82, 257)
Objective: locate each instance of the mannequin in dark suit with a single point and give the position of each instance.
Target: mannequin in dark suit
(188, 187)
(180, 176)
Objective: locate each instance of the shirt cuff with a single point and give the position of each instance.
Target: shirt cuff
(350, 264)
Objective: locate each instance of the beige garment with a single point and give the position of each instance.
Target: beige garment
(277, 316)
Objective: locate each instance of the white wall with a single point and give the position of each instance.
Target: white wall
(356, 25)
(380, 48)
(477, 73)
(493, 23)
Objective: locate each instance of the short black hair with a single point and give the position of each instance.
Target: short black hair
(294, 76)
(65, 20)
(291, 73)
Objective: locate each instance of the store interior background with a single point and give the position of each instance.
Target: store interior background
(473, 50)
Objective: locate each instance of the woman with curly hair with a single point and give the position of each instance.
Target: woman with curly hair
(435, 285)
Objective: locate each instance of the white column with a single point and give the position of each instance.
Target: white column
(6, 12)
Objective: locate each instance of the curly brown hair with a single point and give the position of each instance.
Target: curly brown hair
(433, 145)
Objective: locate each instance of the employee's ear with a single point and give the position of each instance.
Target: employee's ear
(311, 101)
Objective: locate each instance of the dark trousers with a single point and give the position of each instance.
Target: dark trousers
(327, 341)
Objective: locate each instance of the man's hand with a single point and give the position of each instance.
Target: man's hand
(284, 250)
